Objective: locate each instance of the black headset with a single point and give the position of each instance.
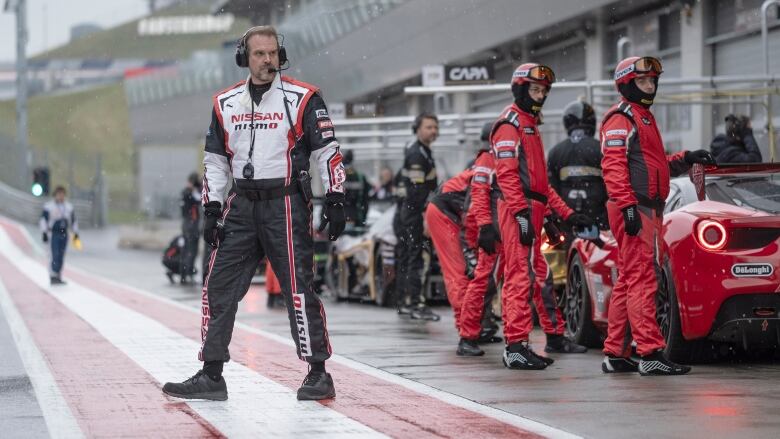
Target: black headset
(418, 120)
(242, 58)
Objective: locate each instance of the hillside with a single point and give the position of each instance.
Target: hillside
(123, 41)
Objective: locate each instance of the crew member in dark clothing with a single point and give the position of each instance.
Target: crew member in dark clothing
(190, 226)
(738, 144)
(574, 165)
(356, 189)
(417, 179)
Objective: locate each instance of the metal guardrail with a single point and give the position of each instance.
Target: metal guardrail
(27, 208)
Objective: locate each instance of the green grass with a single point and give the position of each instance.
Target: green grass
(69, 131)
(124, 42)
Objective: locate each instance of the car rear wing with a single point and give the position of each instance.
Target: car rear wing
(698, 172)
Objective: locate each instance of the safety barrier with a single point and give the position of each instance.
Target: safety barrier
(27, 208)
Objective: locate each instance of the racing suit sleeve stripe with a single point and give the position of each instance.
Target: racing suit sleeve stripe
(480, 189)
(216, 164)
(615, 134)
(322, 143)
(677, 164)
(504, 143)
(557, 204)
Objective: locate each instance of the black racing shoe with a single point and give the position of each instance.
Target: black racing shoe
(559, 344)
(488, 335)
(469, 348)
(56, 280)
(200, 386)
(657, 364)
(424, 313)
(618, 365)
(520, 356)
(274, 301)
(404, 310)
(316, 386)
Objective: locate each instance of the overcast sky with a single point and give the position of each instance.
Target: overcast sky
(49, 21)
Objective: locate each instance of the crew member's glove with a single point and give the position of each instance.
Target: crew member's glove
(45, 237)
(699, 156)
(554, 234)
(76, 236)
(488, 237)
(213, 227)
(333, 215)
(525, 227)
(580, 220)
(632, 220)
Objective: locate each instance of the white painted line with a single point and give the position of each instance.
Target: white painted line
(59, 419)
(256, 407)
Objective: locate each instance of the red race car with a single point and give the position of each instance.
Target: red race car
(720, 276)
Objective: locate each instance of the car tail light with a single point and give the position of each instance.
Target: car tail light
(711, 235)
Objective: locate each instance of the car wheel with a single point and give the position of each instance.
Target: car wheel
(577, 307)
(678, 349)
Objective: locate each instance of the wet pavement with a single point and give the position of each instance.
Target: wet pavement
(119, 329)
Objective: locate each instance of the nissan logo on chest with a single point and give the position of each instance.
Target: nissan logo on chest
(752, 270)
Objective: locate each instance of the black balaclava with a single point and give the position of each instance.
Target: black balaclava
(632, 92)
(523, 99)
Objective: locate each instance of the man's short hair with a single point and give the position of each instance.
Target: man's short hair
(419, 119)
(266, 30)
(59, 189)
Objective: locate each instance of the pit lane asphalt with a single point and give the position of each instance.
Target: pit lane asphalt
(735, 399)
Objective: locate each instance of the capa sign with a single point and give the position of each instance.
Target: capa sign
(469, 74)
(752, 270)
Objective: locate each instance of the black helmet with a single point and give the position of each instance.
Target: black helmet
(579, 115)
(347, 157)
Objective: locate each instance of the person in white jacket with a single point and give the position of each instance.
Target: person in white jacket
(58, 216)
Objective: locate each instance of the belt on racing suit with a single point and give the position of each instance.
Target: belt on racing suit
(656, 204)
(531, 195)
(267, 194)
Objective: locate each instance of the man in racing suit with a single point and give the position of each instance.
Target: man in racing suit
(256, 195)
(574, 165)
(522, 177)
(190, 226)
(636, 173)
(446, 216)
(417, 179)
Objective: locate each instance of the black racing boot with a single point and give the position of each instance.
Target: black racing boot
(488, 335)
(200, 386)
(560, 344)
(317, 385)
(422, 312)
(469, 348)
(657, 364)
(520, 356)
(618, 365)
(404, 310)
(56, 280)
(274, 301)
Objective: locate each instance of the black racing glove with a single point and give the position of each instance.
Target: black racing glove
(213, 226)
(699, 156)
(632, 220)
(580, 220)
(333, 215)
(525, 227)
(554, 234)
(45, 237)
(488, 237)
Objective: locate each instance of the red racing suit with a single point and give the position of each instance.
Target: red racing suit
(636, 172)
(482, 211)
(446, 219)
(522, 176)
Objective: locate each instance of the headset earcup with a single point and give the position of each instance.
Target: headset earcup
(241, 59)
(282, 55)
